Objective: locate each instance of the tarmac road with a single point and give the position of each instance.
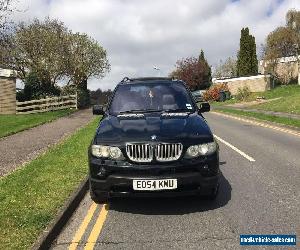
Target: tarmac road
(260, 194)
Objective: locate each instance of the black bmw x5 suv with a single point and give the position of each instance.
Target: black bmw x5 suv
(153, 141)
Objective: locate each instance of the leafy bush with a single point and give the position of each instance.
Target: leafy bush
(100, 96)
(36, 89)
(243, 93)
(213, 93)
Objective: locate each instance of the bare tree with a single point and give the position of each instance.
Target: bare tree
(226, 69)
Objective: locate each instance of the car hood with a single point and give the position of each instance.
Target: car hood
(188, 129)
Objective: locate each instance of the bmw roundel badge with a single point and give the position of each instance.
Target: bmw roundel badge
(153, 137)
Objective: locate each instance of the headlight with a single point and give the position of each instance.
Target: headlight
(201, 149)
(192, 151)
(115, 153)
(107, 152)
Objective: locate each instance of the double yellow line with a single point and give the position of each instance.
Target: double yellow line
(95, 230)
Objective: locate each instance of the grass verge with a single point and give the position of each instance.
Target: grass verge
(288, 103)
(31, 196)
(11, 124)
(264, 117)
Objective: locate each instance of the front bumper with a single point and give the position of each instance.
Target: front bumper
(187, 184)
(197, 176)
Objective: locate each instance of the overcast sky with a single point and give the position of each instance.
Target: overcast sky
(140, 34)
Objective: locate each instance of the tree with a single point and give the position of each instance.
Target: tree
(194, 71)
(293, 20)
(226, 69)
(100, 97)
(53, 52)
(283, 42)
(37, 47)
(207, 76)
(202, 57)
(190, 71)
(247, 59)
(86, 58)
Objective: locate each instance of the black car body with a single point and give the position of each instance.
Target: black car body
(152, 141)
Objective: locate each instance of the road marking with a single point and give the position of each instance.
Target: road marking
(261, 124)
(234, 148)
(97, 228)
(83, 226)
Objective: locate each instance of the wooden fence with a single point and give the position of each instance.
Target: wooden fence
(47, 104)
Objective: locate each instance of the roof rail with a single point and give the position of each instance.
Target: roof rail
(127, 79)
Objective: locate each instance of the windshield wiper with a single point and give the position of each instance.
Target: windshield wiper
(176, 110)
(139, 111)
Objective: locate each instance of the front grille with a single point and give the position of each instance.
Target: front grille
(163, 152)
(139, 152)
(168, 152)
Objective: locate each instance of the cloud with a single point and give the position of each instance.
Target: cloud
(141, 34)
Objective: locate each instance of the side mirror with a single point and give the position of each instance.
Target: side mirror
(98, 110)
(204, 107)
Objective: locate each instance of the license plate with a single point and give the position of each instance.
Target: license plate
(149, 185)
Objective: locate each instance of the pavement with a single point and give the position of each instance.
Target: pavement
(22, 147)
(259, 194)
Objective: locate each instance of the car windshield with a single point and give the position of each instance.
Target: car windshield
(151, 97)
